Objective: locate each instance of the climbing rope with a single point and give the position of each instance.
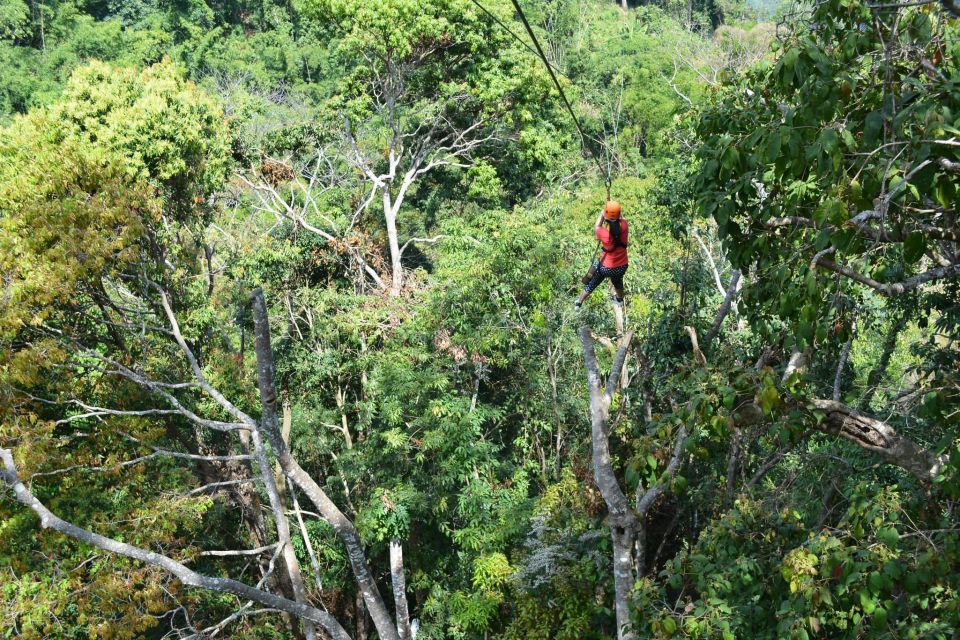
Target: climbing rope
(607, 181)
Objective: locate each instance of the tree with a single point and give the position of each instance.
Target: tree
(116, 292)
(626, 522)
(413, 108)
(844, 160)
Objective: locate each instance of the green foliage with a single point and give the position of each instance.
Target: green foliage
(70, 214)
(14, 19)
(41, 48)
(810, 144)
(853, 581)
(453, 417)
(165, 131)
(799, 159)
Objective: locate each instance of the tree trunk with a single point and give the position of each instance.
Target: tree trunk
(399, 589)
(390, 216)
(343, 526)
(622, 536)
(245, 497)
(620, 518)
(734, 458)
(285, 424)
(344, 426)
(361, 609)
(619, 318)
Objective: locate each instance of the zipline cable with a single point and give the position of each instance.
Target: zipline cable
(583, 136)
(563, 96)
(504, 26)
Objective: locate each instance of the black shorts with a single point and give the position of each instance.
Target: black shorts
(614, 273)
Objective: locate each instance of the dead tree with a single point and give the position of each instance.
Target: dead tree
(296, 201)
(410, 154)
(382, 175)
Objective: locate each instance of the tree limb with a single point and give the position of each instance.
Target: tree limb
(709, 257)
(331, 513)
(724, 309)
(771, 462)
(695, 344)
(186, 575)
(232, 553)
(878, 436)
(938, 273)
(649, 497)
(838, 377)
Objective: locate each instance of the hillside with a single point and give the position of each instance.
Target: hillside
(292, 345)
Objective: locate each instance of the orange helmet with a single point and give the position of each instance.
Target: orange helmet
(612, 210)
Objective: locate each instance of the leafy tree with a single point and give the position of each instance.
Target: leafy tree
(850, 176)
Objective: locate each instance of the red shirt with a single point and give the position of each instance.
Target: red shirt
(613, 257)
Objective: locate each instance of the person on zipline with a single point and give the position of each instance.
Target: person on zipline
(611, 230)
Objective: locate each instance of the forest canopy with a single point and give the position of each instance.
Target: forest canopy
(291, 345)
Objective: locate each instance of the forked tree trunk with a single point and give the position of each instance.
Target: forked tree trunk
(627, 523)
(620, 516)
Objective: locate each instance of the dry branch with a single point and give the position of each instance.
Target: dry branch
(186, 575)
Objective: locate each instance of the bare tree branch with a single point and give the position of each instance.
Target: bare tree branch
(710, 261)
(232, 553)
(732, 289)
(646, 499)
(897, 288)
(186, 575)
(841, 365)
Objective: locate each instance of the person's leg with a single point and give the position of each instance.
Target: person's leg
(588, 288)
(617, 279)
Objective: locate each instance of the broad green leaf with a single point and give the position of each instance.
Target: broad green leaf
(913, 247)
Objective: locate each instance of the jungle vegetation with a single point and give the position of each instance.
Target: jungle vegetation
(289, 347)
